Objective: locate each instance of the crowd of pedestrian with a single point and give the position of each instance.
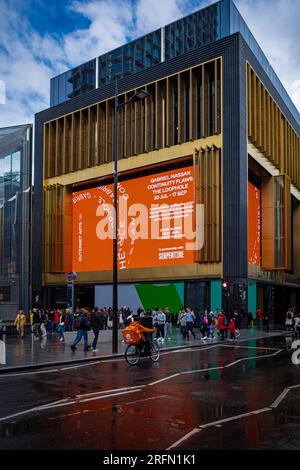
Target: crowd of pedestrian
(211, 324)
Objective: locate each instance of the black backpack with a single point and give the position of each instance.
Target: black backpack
(77, 323)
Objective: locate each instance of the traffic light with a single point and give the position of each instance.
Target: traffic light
(225, 289)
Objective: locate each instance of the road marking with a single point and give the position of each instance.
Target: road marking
(113, 390)
(184, 438)
(280, 398)
(246, 347)
(64, 416)
(237, 417)
(164, 379)
(144, 399)
(201, 370)
(28, 373)
(234, 418)
(82, 365)
(163, 353)
(65, 402)
(110, 395)
(294, 386)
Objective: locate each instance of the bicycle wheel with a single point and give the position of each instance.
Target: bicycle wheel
(154, 351)
(132, 354)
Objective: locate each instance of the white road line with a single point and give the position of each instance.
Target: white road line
(246, 347)
(145, 399)
(82, 365)
(164, 379)
(201, 370)
(113, 390)
(110, 395)
(64, 402)
(280, 398)
(214, 423)
(234, 418)
(184, 438)
(293, 386)
(64, 416)
(27, 373)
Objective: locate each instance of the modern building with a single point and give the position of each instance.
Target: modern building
(218, 129)
(15, 219)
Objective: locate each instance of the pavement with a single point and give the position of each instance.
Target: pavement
(32, 353)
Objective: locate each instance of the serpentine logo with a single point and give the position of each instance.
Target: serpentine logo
(2, 92)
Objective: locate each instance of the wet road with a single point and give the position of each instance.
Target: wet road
(174, 404)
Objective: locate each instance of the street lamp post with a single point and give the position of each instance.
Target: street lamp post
(139, 96)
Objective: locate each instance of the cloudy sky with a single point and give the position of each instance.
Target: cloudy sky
(42, 38)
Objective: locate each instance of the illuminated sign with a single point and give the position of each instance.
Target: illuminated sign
(155, 228)
(254, 225)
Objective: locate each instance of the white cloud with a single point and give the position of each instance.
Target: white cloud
(29, 59)
(275, 25)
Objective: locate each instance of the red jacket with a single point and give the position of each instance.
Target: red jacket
(221, 325)
(232, 326)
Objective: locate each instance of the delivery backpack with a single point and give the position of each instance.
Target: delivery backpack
(131, 333)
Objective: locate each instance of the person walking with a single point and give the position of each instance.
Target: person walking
(51, 321)
(161, 320)
(231, 328)
(206, 321)
(266, 322)
(259, 317)
(20, 323)
(96, 322)
(61, 326)
(56, 319)
(169, 324)
(182, 323)
(36, 323)
(83, 328)
(222, 323)
(31, 321)
(190, 320)
(237, 321)
(297, 326)
(289, 319)
(250, 320)
(69, 320)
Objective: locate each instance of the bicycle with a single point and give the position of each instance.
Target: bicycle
(147, 348)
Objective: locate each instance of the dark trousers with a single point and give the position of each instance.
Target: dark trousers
(96, 333)
(160, 331)
(232, 335)
(190, 327)
(223, 334)
(184, 332)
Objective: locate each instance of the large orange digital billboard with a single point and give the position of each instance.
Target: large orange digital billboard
(158, 222)
(254, 225)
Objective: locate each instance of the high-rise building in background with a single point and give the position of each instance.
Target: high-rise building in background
(15, 219)
(218, 128)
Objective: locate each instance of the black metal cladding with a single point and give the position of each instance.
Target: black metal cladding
(235, 164)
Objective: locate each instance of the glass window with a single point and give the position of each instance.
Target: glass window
(7, 168)
(16, 166)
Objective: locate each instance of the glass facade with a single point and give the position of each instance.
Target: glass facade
(193, 31)
(200, 28)
(131, 58)
(73, 83)
(15, 212)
